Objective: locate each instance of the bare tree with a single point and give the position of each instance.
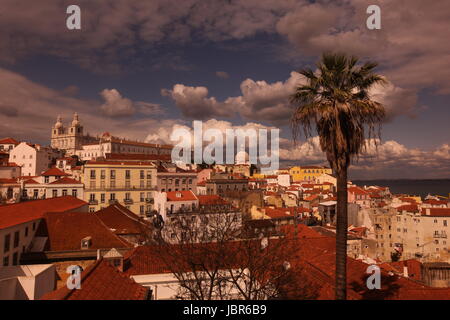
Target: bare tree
(211, 260)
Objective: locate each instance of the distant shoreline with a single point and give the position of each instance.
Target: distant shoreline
(421, 187)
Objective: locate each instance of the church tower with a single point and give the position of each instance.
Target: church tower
(74, 135)
(57, 133)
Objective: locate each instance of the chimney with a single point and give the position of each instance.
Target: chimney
(405, 271)
(427, 211)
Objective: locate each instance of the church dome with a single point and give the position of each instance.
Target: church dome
(75, 121)
(58, 123)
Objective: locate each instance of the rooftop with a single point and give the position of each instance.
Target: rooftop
(18, 213)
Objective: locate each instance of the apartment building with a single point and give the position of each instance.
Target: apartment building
(171, 178)
(129, 183)
(410, 232)
(34, 159)
(308, 173)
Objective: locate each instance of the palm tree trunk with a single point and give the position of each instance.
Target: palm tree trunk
(341, 235)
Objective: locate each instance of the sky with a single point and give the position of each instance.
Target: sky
(139, 69)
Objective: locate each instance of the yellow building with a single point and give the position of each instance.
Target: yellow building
(129, 183)
(307, 173)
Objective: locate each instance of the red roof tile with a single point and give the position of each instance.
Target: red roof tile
(181, 196)
(408, 208)
(54, 172)
(9, 141)
(210, 199)
(66, 180)
(436, 212)
(102, 281)
(122, 220)
(66, 230)
(17, 213)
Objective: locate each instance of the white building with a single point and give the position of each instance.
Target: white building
(33, 159)
(167, 203)
(27, 282)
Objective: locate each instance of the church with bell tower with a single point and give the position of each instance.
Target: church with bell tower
(70, 138)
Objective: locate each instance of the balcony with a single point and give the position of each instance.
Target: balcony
(112, 201)
(149, 200)
(93, 202)
(128, 201)
(440, 235)
(122, 188)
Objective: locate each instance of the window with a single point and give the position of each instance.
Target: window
(127, 184)
(46, 179)
(113, 174)
(141, 174)
(141, 209)
(64, 192)
(127, 196)
(6, 261)
(7, 243)
(34, 226)
(15, 259)
(127, 174)
(54, 193)
(26, 232)
(445, 223)
(102, 198)
(113, 184)
(142, 197)
(102, 174)
(74, 193)
(142, 184)
(92, 174)
(91, 209)
(112, 196)
(16, 239)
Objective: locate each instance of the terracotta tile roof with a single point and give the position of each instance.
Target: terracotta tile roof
(278, 213)
(357, 190)
(122, 220)
(102, 281)
(144, 260)
(435, 202)
(211, 199)
(66, 230)
(408, 208)
(54, 172)
(410, 200)
(17, 213)
(436, 212)
(132, 156)
(181, 196)
(121, 163)
(9, 141)
(31, 181)
(66, 180)
(8, 180)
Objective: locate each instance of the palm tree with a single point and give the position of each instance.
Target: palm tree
(336, 100)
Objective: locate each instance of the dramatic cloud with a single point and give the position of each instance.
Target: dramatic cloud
(28, 111)
(115, 105)
(409, 45)
(195, 103)
(391, 160)
(269, 102)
